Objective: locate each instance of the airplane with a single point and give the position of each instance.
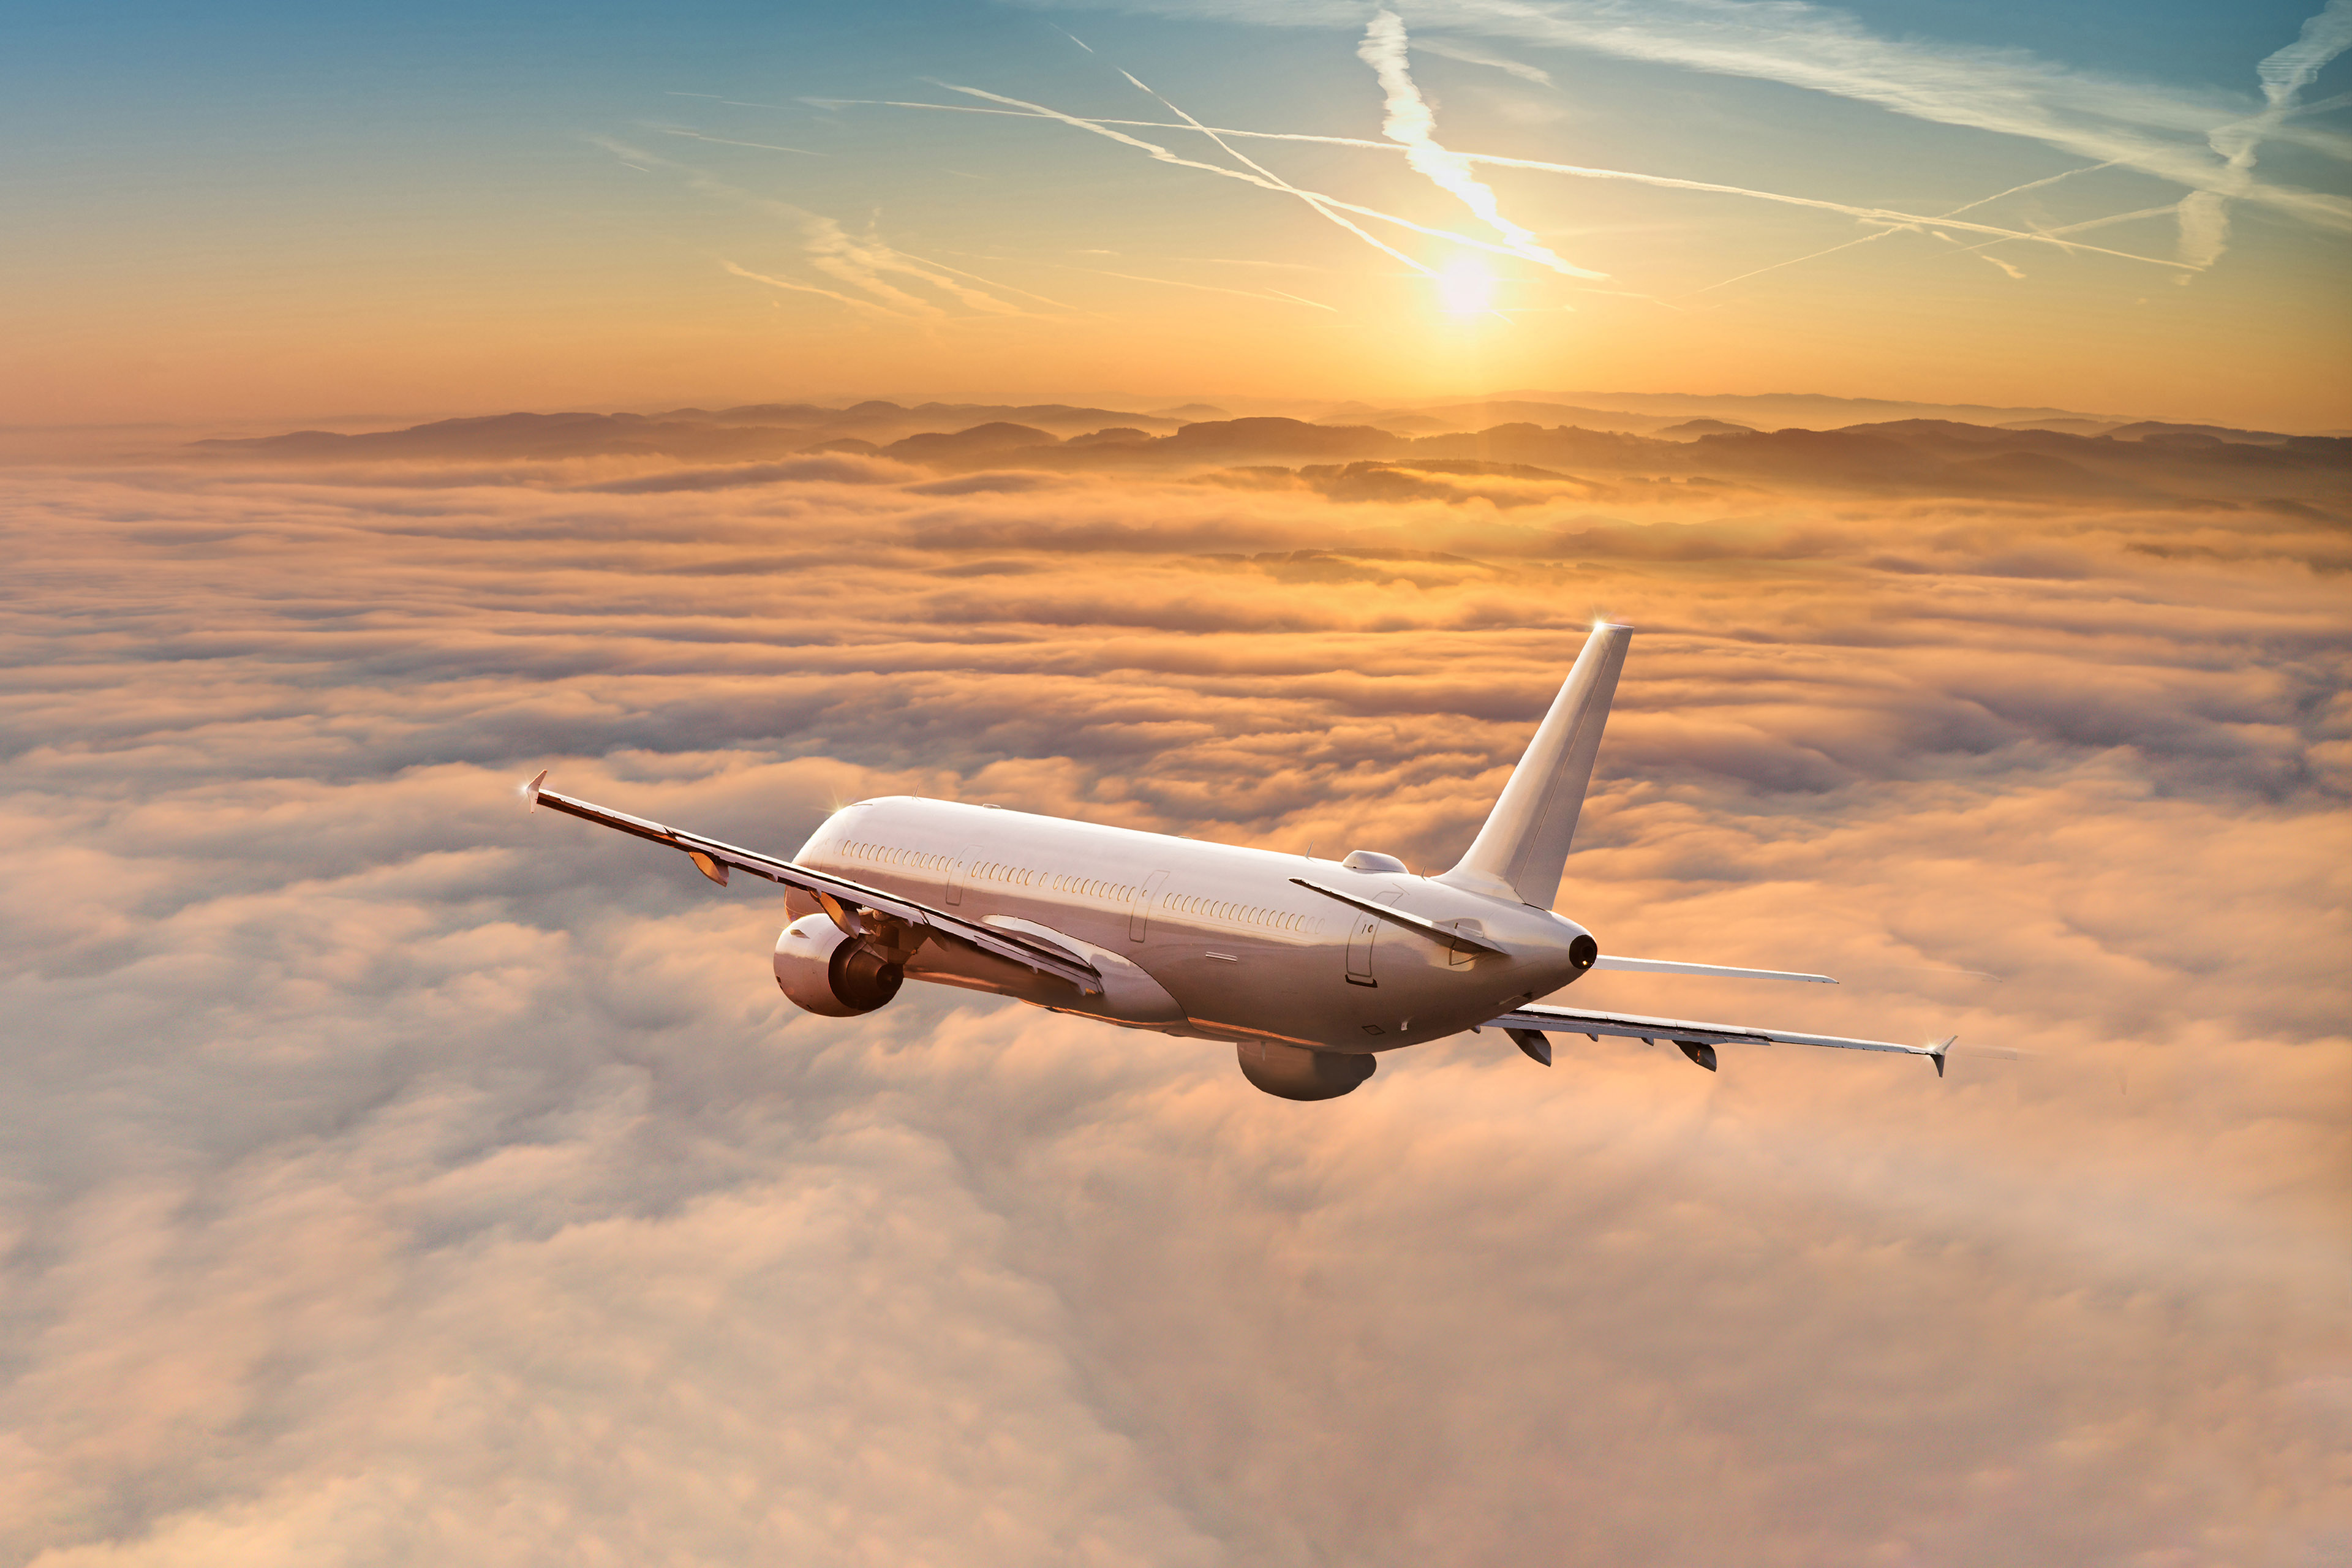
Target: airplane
(1310, 969)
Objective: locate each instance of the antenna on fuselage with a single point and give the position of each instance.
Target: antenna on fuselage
(1519, 852)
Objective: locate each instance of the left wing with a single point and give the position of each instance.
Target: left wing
(1526, 1026)
(845, 900)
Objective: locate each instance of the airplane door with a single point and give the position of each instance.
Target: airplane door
(1360, 937)
(965, 859)
(1138, 920)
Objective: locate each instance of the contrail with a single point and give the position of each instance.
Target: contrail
(1965, 206)
(1252, 164)
(2205, 214)
(1411, 125)
(993, 283)
(1664, 182)
(851, 301)
(1793, 261)
(2030, 186)
(2169, 209)
(727, 142)
(1331, 206)
(1274, 294)
(859, 263)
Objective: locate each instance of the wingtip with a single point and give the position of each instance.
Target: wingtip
(530, 790)
(1936, 1055)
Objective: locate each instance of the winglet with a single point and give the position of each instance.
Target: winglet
(530, 790)
(1936, 1055)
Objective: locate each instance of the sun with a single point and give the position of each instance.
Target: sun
(1465, 288)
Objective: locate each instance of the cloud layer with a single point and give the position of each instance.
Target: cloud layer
(389, 1173)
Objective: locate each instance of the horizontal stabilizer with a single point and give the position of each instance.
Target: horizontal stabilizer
(1721, 971)
(1446, 935)
(1693, 1037)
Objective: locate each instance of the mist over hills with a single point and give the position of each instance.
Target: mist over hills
(1571, 449)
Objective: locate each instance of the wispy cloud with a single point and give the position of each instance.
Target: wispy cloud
(1269, 294)
(866, 263)
(730, 142)
(853, 301)
(1411, 125)
(1313, 200)
(1471, 55)
(1888, 215)
(2006, 92)
(2205, 214)
(1327, 206)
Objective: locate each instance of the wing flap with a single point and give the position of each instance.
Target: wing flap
(842, 897)
(1686, 1032)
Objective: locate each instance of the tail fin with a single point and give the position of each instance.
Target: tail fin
(1519, 853)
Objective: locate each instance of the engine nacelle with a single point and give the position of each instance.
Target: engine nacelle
(830, 973)
(1296, 1073)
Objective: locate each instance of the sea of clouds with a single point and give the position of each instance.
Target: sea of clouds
(391, 1175)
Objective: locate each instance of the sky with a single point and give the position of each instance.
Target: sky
(389, 1174)
(275, 213)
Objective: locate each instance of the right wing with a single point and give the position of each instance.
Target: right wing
(844, 899)
(1697, 1040)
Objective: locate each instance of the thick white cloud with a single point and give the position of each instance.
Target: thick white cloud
(388, 1173)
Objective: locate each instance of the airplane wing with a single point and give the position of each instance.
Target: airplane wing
(1526, 1026)
(1720, 971)
(844, 899)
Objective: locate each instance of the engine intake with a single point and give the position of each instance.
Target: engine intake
(1294, 1073)
(824, 971)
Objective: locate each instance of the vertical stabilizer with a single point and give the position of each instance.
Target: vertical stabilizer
(1519, 852)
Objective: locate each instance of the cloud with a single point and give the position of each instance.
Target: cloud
(1412, 125)
(2205, 214)
(1888, 215)
(2006, 92)
(1470, 54)
(390, 1172)
(866, 263)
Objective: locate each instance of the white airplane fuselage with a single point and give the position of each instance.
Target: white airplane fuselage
(1209, 940)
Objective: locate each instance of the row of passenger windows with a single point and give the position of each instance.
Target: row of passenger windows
(1085, 886)
(908, 860)
(1247, 914)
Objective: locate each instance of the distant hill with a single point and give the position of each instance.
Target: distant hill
(2159, 430)
(752, 433)
(1485, 413)
(1785, 410)
(1691, 429)
(1910, 455)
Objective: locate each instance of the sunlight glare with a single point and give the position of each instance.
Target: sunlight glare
(1465, 288)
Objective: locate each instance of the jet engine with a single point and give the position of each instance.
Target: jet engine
(1296, 1073)
(833, 974)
